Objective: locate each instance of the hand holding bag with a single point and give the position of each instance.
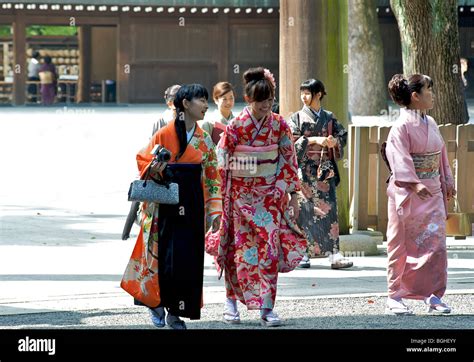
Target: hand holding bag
(150, 190)
(458, 223)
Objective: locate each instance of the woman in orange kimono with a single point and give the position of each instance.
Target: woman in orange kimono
(420, 184)
(259, 237)
(167, 265)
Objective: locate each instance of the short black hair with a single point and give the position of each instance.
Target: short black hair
(314, 86)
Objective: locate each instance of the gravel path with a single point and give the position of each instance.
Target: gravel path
(321, 313)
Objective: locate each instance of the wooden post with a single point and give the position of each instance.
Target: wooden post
(314, 44)
(464, 169)
(373, 181)
(20, 68)
(350, 155)
(363, 188)
(382, 176)
(298, 50)
(123, 59)
(449, 135)
(84, 86)
(224, 42)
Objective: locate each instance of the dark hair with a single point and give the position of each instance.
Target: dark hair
(188, 92)
(256, 86)
(36, 54)
(220, 89)
(400, 88)
(47, 59)
(314, 86)
(170, 92)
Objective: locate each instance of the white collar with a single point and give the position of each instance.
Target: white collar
(190, 134)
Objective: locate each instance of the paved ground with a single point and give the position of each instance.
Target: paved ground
(63, 204)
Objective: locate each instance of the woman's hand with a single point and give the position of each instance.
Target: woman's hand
(450, 191)
(421, 190)
(332, 141)
(321, 141)
(216, 224)
(294, 207)
(158, 166)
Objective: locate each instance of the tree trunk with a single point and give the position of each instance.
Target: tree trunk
(367, 88)
(430, 45)
(313, 44)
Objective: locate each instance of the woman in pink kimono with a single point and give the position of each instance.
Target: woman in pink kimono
(259, 237)
(420, 184)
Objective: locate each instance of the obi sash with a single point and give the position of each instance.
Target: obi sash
(46, 77)
(426, 164)
(217, 132)
(251, 161)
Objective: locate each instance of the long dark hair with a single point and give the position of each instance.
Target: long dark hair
(188, 92)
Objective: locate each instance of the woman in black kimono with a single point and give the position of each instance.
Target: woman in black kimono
(319, 142)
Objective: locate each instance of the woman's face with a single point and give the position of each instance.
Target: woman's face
(263, 108)
(307, 98)
(225, 102)
(424, 99)
(196, 108)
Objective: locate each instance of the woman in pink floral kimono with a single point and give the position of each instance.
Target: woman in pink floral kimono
(258, 167)
(420, 184)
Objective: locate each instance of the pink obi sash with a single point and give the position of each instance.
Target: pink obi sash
(251, 161)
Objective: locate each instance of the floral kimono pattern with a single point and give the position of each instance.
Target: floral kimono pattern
(416, 231)
(319, 177)
(142, 275)
(258, 238)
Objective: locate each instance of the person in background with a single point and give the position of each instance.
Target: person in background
(224, 97)
(319, 143)
(33, 75)
(169, 114)
(464, 68)
(48, 78)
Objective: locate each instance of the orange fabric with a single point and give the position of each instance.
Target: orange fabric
(168, 138)
(142, 283)
(141, 275)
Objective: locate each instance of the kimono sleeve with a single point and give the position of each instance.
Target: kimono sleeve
(398, 155)
(211, 181)
(225, 149)
(446, 174)
(301, 142)
(144, 156)
(340, 133)
(287, 170)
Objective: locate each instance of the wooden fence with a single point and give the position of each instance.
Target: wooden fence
(369, 200)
